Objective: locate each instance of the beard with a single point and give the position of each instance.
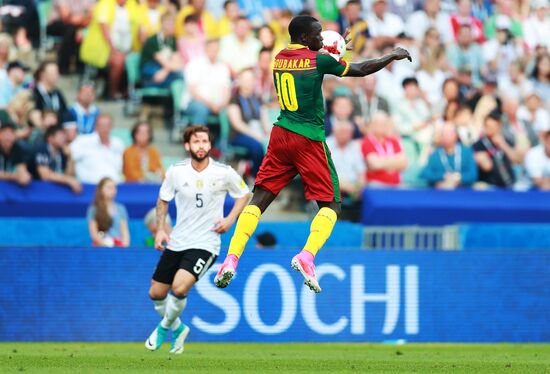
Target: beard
(198, 158)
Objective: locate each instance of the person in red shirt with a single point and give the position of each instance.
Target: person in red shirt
(383, 153)
(464, 16)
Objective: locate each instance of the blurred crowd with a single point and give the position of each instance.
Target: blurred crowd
(471, 110)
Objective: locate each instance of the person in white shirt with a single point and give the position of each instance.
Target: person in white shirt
(431, 16)
(537, 163)
(350, 166)
(537, 27)
(209, 85)
(240, 49)
(384, 27)
(98, 155)
(199, 185)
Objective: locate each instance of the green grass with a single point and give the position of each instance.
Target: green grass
(264, 358)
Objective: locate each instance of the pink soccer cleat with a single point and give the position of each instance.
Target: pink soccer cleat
(227, 271)
(303, 262)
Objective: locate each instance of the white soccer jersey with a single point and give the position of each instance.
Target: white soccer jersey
(200, 197)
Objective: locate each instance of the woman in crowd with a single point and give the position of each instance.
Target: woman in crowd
(108, 220)
(541, 77)
(142, 161)
(191, 44)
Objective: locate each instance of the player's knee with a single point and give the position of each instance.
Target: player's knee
(156, 294)
(180, 291)
(337, 207)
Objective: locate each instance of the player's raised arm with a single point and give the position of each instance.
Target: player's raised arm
(360, 69)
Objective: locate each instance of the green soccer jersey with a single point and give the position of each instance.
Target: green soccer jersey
(298, 75)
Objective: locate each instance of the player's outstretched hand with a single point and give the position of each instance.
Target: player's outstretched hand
(401, 53)
(223, 225)
(161, 240)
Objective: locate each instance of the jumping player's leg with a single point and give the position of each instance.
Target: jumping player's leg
(320, 184)
(276, 171)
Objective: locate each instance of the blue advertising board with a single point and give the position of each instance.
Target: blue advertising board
(92, 294)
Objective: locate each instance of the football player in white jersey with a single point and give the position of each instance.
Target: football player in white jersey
(199, 186)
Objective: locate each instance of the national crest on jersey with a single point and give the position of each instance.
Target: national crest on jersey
(200, 198)
(298, 76)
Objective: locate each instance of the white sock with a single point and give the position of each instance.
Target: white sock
(174, 307)
(160, 306)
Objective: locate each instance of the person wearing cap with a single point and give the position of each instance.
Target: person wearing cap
(537, 163)
(534, 113)
(495, 155)
(12, 82)
(12, 157)
(69, 126)
(52, 161)
(536, 28)
(503, 8)
(84, 110)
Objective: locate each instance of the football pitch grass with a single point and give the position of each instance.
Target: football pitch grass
(269, 358)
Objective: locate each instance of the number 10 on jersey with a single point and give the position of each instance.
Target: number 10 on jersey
(286, 91)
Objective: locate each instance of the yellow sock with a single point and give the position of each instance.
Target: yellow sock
(246, 225)
(320, 230)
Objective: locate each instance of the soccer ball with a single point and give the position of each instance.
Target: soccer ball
(333, 44)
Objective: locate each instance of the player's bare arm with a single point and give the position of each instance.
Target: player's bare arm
(225, 223)
(161, 237)
(361, 69)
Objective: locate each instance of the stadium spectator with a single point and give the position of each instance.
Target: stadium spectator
(264, 74)
(142, 162)
(350, 166)
(209, 85)
(69, 126)
(12, 156)
(21, 14)
(541, 77)
(535, 28)
(537, 163)
(149, 14)
(207, 24)
(464, 16)
(12, 82)
(267, 39)
(504, 9)
(68, 19)
(21, 112)
(519, 132)
(500, 52)
(433, 66)
(452, 164)
(98, 155)
(494, 155)
(160, 64)
(84, 110)
(468, 132)
(46, 94)
(52, 162)
(6, 44)
(107, 42)
(150, 222)
(191, 44)
(384, 26)
(231, 12)
(413, 117)
(533, 113)
(342, 111)
(239, 50)
(245, 117)
(514, 84)
(466, 55)
(383, 153)
(350, 18)
(368, 101)
(431, 16)
(107, 219)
